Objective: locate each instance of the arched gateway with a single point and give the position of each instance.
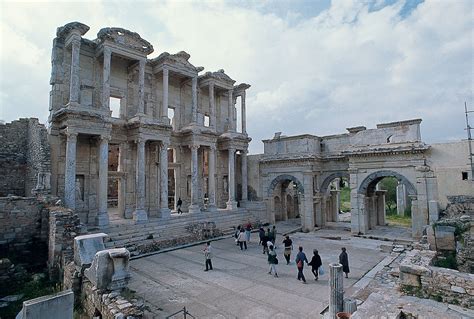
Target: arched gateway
(362, 157)
(285, 191)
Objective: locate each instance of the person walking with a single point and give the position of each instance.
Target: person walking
(236, 235)
(344, 261)
(208, 255)
(264, 242)
(248, 229)
(271, 235)
(261, 234)
(272, 261)
(274, 232)
(300, 260)
(315, 263)
(288, 243)
(242, 239)
(178, 205)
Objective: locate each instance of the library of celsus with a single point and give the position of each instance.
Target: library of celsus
(140, 133)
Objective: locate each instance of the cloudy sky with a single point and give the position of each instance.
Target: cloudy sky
(315, 66)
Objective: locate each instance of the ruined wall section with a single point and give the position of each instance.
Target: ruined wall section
(13, 157)
(23, 221)
(38, 157)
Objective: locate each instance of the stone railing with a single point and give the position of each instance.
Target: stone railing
(418, 277)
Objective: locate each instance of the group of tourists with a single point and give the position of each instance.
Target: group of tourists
(267, 240)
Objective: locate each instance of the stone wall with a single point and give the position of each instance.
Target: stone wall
(23, 220)
(64, 225)
(421, 279)
(13, 146)
(24, 152)
(109, 305)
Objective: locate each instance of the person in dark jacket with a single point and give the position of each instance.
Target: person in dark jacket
(315, 263)
(261, 235)
(178, 205)
(300, 260)
(344, 261)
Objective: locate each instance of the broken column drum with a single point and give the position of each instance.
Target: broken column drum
(336, 298)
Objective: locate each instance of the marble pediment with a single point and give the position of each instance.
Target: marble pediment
(65, 30)
(179, 60)
(125, 38)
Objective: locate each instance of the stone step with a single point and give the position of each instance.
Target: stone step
(132, 235)
(158, 225)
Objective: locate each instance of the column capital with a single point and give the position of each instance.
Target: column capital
(165, 71)
(165, 144)
(213, 147)
(106, 138)
(244, 151)
(71, 135)
(140, 140)
(232, 149)
(194, 146)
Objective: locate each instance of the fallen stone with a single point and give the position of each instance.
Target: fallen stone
(457, 289)
(12, 298)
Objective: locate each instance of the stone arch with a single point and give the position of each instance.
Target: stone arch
(368, 184)
(281, 178)
(330, 178)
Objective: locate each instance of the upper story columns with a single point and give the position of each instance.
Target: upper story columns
(240, 90)
(106, 78)
(72, 34)
(165, 104)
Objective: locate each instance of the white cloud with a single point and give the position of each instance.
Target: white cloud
(346, 66)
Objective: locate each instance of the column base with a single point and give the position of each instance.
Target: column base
(194, 209)
(102, 220)
(212, 208)
(243, 203)
(231, 205)
(140, 216)
(165, 213)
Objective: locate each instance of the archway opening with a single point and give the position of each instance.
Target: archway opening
(286, 201)
(335, 203)
(382, 206)
(397, 202)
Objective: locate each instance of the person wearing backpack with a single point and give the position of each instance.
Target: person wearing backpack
(315, 264)
(300, 260)
(272, 261)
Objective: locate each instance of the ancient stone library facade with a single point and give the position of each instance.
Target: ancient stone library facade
(140, 133)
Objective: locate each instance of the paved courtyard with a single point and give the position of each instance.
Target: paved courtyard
(239, 286)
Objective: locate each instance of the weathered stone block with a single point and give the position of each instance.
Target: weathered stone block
(445, 239)
(110, 269)
(85, 248)
(410, 279)
(57, 306)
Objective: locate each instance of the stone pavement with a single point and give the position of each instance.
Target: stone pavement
(239, 286)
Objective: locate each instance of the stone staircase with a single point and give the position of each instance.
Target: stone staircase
(132, 236)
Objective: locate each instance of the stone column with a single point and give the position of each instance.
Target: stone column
(338, 198)
(165, 211)
(141, 87)
(334, 205)
(212, 107)
(102, 218)
(194, 207)
(231, 204)
(194, 96)
(318, 218)
(74, 85)
(231, 111)
(212, 179)
(164, 110)
(70, 171)
(244, 176)
(401, 199)
(244, 119)
(336, 297)
(106, 79)
(140, 215)
(381, 207)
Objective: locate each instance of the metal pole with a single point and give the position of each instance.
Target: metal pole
(469, 140)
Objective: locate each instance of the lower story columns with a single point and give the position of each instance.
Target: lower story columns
(231, 203)
(102, 218)
(194, 207)
(140, 215)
